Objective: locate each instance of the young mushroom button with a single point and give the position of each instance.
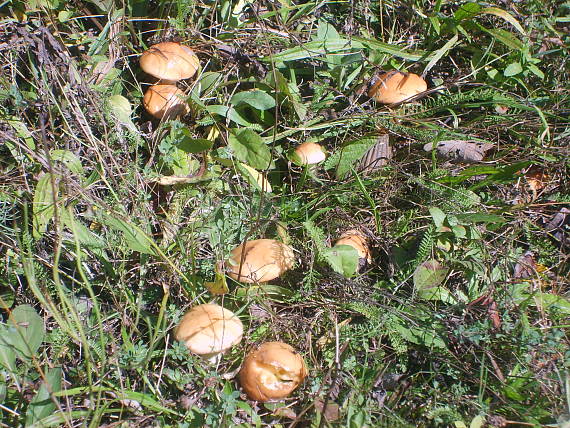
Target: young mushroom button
(165, 101)
(309, 154)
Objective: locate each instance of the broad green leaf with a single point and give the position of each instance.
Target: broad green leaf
(249, 148)
(438, 54)
(326, 31)
(342, 258)
(548, 300)
(69, 159)
(429, 274)
(423, 333)
(254, 177)
(43, 207)
(195, 145)
(345, 158)
(255, 98)
(42, 404)
(121, 109)
(467, 11)
(506, 16)
(314, 49)
(513, 69)
(135, 238)
(228, 112)
(7, 353)
(505, 37)
(25, 332)
(438, 216)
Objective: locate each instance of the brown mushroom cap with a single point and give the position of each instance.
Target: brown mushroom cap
(209, 329)
(169, 61)
(396, 86)
(272, 371)
(265, 259)
(358, 241)
(310, 153)
(165, 101)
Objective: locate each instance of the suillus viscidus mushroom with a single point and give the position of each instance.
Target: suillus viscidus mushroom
(209, 330)
(263, 260)
(396, 86)
(169, 62)
(272, 371)
(358, 241)
(165, 102)
(309, 154)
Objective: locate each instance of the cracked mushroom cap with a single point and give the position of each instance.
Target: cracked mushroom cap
(358, 241)
(165, 101)
(264, 260)
(272, 371)
(209, 329)
(169, 61)
(310, 153)
(396, 86)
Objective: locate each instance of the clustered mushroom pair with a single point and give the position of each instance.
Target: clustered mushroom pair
(171, 62)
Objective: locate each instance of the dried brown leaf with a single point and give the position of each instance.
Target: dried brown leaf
(460, 150)
(376, 156)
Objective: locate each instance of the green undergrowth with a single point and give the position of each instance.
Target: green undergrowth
(112, 223)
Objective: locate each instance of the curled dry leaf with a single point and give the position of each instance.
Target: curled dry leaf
(330, 409)
(525, 267)
(376, 156)
(460, 150)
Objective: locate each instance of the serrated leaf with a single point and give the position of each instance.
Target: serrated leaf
(255, 98)
(343, 259)
(249, 148)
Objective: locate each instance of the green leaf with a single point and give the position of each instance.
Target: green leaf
(228, 112)
(343, 259)
(255, 98)
(429, 274)
(43, 205)
(467, 11)
(352, 152)
(135, 238)
(513, 69)
(24, 332)
(249, 148)
(195, 145)
(7, 353)
(506, 16)
(505, 37)
(438, 216)
(424, 333)
(254, 177)
(121, 109)
(42, 404)
(69, 159)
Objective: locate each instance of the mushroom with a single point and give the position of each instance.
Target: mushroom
(208, 330)
(169, 61)
(164, 101)
(396, 86)
(309, 153)
(358, 241)
(272, 371)
(264, 260)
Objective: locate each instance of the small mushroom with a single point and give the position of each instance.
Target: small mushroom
(169, 61)
(396, 86)
(208, 330)
(272, 371)
(264, 260)
(165, 101)
(358, 241)
(309, 153)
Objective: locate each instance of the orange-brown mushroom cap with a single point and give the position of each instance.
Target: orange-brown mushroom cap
(396, 86)
(209, 329)
(264, 260)
(169, 61)
(310, 153)
(358, 241)
(272, 371)
(165, 101)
